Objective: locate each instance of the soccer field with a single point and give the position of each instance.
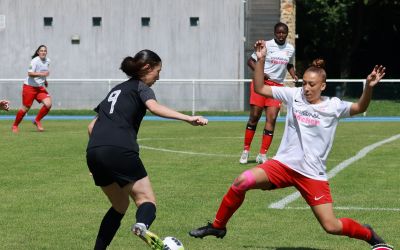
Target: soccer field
(49, 201)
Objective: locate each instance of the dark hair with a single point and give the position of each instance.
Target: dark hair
(133, 66)
(280, 24)
(318, 66)
(37, 51)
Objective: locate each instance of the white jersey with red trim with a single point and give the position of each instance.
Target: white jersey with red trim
(309, 131)
(277, 59)
(37, 65)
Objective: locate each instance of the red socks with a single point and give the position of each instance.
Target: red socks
(42, 112)
(230, 203)
(18, 118)
(248, 136)
(266, 141)
(353, 229)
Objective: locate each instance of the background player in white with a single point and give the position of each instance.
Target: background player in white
(278, 59)
(300, 161)
(113, 151)
(34, 88)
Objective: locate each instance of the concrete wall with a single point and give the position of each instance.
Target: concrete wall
(212, 50)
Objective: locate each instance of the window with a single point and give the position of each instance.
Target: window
(194, 21)
(75, 39)
(145, 21)
(96, 21)
(48, 21)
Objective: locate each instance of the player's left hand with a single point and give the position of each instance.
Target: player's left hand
(376, 75)
(260, 49)
(198, 121)
(296, 79)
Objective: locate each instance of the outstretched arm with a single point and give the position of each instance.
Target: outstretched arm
(373, 79)
(258, 78)
(166, 112)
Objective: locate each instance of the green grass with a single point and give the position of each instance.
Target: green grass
(49, 200)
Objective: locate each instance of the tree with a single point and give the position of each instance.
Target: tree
(337, 29)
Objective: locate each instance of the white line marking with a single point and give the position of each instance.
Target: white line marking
(187, 152)
(363, 152)
(186, 138)
(352, 208)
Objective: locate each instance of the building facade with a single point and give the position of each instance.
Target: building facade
(196, 39)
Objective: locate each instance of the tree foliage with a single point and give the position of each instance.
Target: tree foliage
(344, 32)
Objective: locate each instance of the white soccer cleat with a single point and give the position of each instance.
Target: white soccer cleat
(261, 158)
(150, 238)
(244, 157)
(139, 229)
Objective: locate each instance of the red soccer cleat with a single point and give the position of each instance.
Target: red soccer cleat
(14, 129)
(38, 125)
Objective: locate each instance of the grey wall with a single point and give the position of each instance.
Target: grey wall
(214, 49)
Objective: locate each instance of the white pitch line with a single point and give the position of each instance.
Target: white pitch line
(187, 138)
(186, 152)
(353, 208)
(344, 164)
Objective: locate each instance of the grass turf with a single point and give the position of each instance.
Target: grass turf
(49, 200)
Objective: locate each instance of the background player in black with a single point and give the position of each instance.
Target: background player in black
(113, 152)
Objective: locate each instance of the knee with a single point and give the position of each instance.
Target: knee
(253, 120)
(48, 105)
(332, 228)
(271, 120)
(244, 182)
(121, 206)
(25, 108)
(144, 199)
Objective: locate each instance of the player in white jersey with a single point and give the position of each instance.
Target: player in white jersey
(300, 161)
(34, 88)
(278, 60)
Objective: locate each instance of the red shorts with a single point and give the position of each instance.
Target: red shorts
(315, 192)
(30, 93)
(261, 101)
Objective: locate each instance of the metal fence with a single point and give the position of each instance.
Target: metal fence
(181, 94)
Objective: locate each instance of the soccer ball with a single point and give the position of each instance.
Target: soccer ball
(172, 243)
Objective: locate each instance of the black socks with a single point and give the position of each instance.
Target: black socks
(108, 228)
(146, 213)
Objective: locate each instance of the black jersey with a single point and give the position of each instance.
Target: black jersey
(120, 115)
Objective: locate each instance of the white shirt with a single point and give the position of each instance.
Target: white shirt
(277, 59)
(309, 131)
(37, 65)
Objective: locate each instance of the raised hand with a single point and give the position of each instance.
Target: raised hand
(376, 75)
(260, 49)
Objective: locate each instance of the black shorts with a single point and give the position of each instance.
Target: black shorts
(110, 164)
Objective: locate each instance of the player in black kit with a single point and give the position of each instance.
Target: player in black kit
(113, 152)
